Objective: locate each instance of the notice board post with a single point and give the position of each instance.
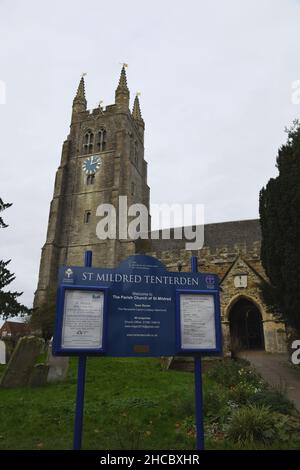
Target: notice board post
(198, 385)
(81, 382)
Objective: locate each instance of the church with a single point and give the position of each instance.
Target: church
(103, 159)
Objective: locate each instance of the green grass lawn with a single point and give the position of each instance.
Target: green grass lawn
(129, 404)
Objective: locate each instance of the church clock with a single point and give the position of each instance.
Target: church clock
(91, 165)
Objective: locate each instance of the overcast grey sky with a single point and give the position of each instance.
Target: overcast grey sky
(215, 79)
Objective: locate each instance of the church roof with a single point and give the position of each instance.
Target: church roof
(218, 235)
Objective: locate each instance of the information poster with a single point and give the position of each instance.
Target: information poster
(197, 320)
(83, 319)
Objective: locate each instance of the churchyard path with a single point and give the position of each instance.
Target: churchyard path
(277, 371)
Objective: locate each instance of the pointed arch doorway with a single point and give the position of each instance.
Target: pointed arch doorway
(246, 329)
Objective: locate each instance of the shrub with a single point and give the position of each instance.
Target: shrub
(215, 402)
(275, 399)
(242, 393)
(288, 428)
(229, 372)
(252, 424)
(248, 386)
(225, 372)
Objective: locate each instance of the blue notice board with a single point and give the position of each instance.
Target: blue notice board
(137, 309)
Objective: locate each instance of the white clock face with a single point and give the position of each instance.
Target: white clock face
(240, 280)
(91, 165)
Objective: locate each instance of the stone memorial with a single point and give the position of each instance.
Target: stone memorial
(58, 366)
(39, 375)
(2, 352)
(20, 366)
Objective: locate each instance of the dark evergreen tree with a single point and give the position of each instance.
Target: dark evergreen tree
(43, 317)
(9, 305)
(3, 206)
(279, 207)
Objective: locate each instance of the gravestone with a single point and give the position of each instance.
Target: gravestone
(58, 366)
(22, 361)
(2, 352)
(39, 375)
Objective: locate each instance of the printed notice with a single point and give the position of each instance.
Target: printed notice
(83, 319)
(197, 319)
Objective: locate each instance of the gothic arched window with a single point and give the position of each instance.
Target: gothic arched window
(88, 142)
(90, 179)
(101, 140)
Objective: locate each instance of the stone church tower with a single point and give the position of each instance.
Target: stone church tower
(114, 136)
